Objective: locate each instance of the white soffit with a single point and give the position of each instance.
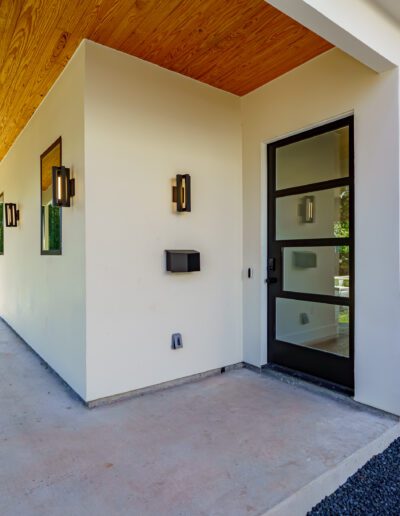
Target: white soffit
(358, 27)
(391, 7)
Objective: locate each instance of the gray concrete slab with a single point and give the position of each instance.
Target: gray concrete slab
(233, 444)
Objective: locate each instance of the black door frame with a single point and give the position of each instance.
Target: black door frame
(324, 367)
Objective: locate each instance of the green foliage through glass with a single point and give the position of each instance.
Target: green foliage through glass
(342, 230)
(1, 227)
(54, 228)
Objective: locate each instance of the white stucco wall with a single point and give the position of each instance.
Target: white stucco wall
(322, 89)
(143, 125)
(102, 314)
(43, 297)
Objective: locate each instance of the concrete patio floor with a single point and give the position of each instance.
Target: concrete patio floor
(233, 444)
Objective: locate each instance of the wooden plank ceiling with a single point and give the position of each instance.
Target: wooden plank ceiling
(235, 45)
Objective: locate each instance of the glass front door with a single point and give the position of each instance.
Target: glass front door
(311, 253)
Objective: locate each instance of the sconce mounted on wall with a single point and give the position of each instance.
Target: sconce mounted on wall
(181, 194)
(63, 187)
(308, 209)
(12, 215)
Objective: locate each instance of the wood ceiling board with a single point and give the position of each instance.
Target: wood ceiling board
(8, 20)
(193, 32)
(235, 45)
(24, 57)
(256, 54)
(129, 16)
(257, 72)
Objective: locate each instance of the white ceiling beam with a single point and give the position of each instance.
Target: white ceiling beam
(358, 27)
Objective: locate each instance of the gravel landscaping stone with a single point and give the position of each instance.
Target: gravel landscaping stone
(373, 490)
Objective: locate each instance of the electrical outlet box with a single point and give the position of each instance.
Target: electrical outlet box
(176, 341)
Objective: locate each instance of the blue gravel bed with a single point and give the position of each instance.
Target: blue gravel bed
(373, 490)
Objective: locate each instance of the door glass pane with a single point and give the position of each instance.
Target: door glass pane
(320, 158)
(50, 215)
(2, 224)
(317, 270)
(322, 214)
(313, 325)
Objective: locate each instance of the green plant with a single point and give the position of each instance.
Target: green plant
(1, 228)
(342, 230)
(54, 228)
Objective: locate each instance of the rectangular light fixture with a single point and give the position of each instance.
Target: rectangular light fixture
(63, 187)
(308, 209)
(12, 215)
(181, 194)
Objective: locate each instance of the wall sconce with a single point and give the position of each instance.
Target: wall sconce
(308, 211)
(12, 215)
(63, 187)
(181, 194)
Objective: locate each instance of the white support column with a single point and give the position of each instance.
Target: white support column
(358, 27)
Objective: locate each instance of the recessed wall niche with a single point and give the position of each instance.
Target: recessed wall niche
(51, 216)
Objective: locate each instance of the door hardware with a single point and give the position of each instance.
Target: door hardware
(271, 264)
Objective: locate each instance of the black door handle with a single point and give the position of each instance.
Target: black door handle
(269, 281)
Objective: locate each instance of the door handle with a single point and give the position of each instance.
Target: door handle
(269, 281)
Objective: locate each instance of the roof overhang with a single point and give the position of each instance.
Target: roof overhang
(361, 28)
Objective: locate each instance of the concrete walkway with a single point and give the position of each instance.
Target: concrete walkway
(235, 444)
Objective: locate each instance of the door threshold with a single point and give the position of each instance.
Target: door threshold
(347, 391)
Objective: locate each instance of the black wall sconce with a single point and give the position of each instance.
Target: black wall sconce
(12, 215)
(308, 209)
(181, 193)
(63, 187)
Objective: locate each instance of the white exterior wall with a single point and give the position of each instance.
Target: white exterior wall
(143, 125)
(322, 89)
(102, 314)
(43, 297)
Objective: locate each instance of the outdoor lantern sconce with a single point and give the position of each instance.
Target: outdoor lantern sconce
(63, 187)
(181, 193)
(12, 215)
(308, 210)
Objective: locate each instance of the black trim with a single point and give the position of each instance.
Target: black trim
(309, 378)
(315, 298)
(330, 367)
(316, 131)
(313, 242)
(319, 364)
(314, 187)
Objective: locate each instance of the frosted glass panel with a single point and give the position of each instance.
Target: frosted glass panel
(314, 325)
(321, 158)
(322, 214)
(320, 270)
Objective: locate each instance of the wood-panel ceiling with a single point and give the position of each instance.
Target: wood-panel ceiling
(235, 45)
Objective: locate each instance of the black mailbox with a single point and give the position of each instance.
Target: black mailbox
(182, 261)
